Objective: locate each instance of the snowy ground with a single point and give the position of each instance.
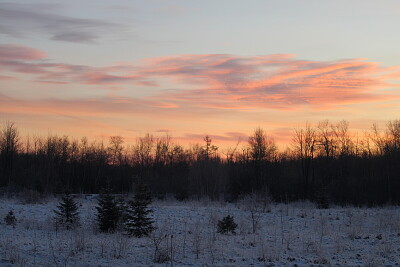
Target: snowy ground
(288, 235)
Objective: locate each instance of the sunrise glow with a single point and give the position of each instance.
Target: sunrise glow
(129, 68)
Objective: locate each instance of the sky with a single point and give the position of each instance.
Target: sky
(193, 68)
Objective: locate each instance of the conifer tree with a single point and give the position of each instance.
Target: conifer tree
(107, 212)
(67, 214)
(227, 225)
(139, 222)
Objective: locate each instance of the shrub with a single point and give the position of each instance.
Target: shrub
(10, 219)
(226, 225)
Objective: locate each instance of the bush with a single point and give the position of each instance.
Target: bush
(10, 219)
(226, 225)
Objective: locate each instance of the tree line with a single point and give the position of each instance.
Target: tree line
(324, 163)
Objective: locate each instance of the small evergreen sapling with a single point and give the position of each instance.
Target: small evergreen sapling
(67, 214)
(139, 222)
(10, 219)
(107, 212)
(226, 225)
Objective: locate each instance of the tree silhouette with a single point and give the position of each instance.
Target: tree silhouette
(9, 145)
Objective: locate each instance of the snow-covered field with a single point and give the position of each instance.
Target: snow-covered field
(286, 235)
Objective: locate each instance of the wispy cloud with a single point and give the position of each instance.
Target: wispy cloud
(230, 137)
(223, 82)
(275, 82)
(5, 77)
(22, 20)
(18, 52)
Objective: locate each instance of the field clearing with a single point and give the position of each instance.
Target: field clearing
(285, 235)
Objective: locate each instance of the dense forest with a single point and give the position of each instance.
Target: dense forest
(325, 162)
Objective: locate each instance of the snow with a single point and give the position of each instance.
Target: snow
(296, 233)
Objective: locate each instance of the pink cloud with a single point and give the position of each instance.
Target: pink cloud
(223, 82)
(5, 77)
(104, 107)
(19, 52)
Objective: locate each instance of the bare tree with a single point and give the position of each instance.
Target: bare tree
(256, 203)
(326, 139)
(393, 136)
(378, 139)
(209, 151)
(261, 151)
(342, 135)
(163, 147)
(304, 143)
(9, 145)
(261, 147)
(115, 147)
(231, 153)
(143, 150)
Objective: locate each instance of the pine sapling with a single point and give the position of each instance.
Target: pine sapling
(107, 212)
(227, 225)
(67, 214)
(139, 223)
